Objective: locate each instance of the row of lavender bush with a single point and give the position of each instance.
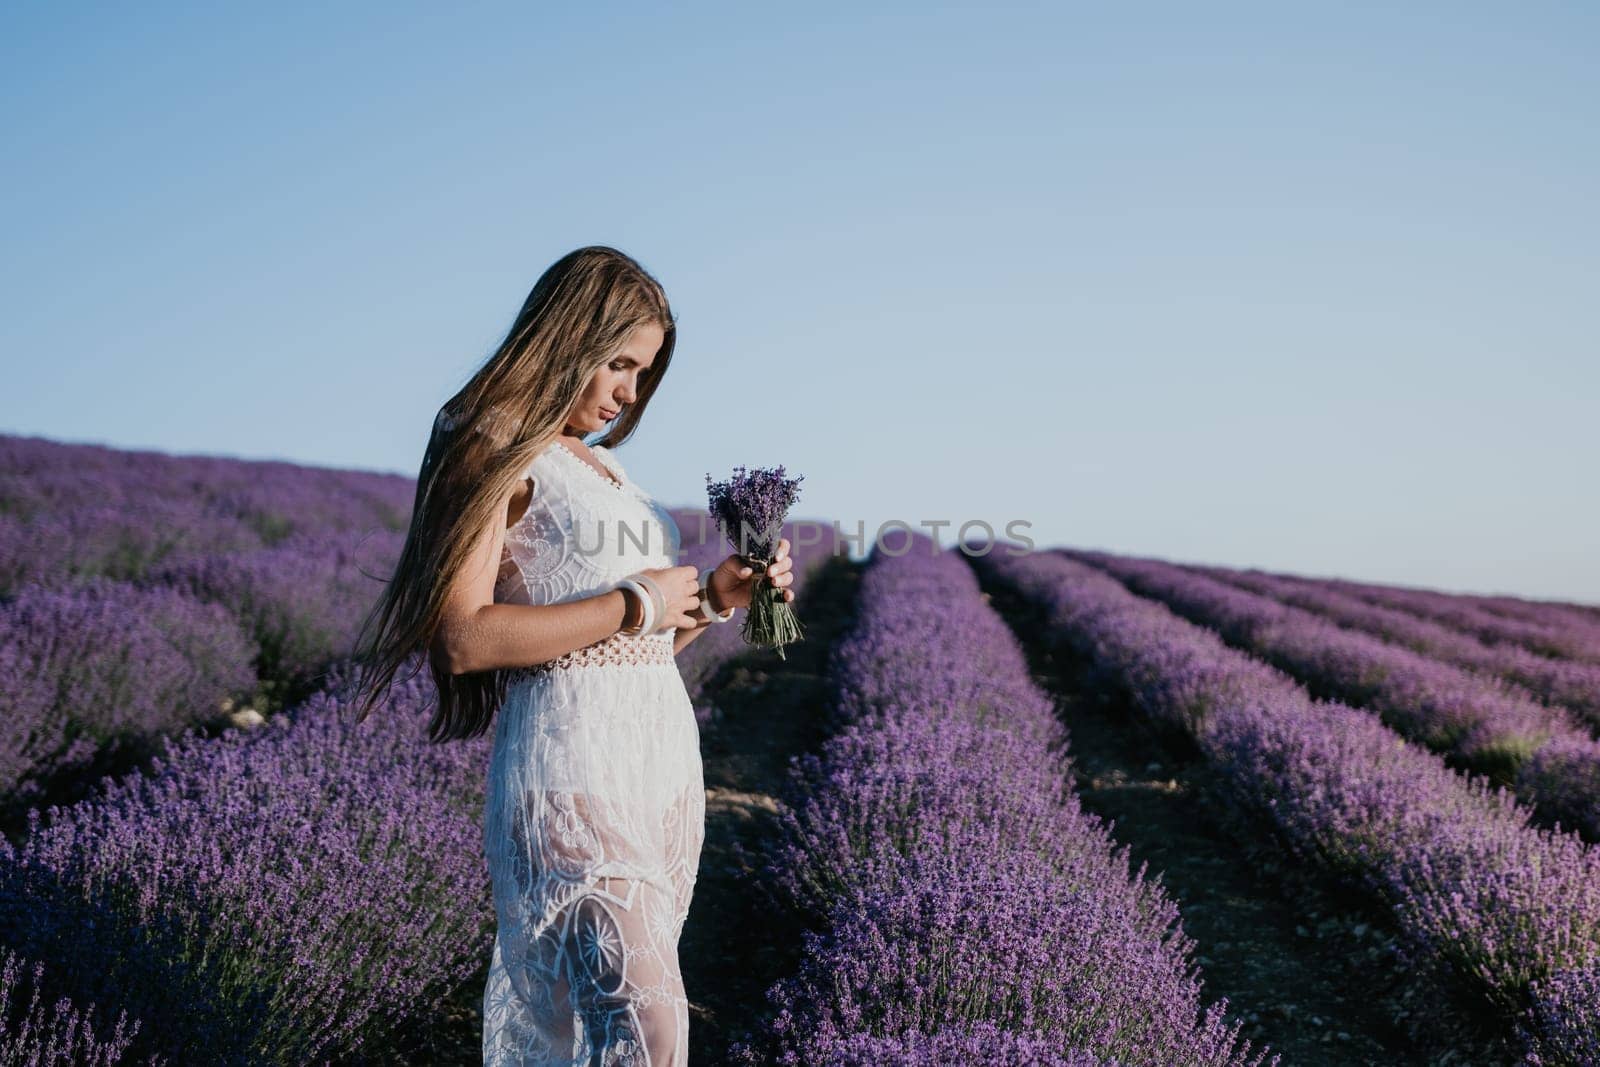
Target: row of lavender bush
(1513, 909)
(1482, 724)
(1553, 612)
(76, 510)
(104, 663)
(952, 887)
(1553, 630)
(142, 593)
(302, 600)
(100, 665)
(289, 894)
(1569, 683)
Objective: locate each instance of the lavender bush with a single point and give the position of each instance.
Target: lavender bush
(103, 664)
(1544, 612)
(979, 1043)
(33, 1036)
(282, 895)
(303, 600)
(113, 540)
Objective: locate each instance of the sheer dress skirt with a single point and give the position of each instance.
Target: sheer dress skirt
(593, 826)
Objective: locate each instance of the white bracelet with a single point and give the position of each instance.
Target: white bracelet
(658, 600)
(627, 586)
(705, 602)
(647, 609)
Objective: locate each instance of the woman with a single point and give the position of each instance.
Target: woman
(542, 583)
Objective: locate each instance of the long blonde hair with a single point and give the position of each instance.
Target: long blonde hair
(580, 312)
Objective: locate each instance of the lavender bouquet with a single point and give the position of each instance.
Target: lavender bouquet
(749, 509)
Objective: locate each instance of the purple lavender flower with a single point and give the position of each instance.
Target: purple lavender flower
(749, 508)
(302, 600)
(1564, 1004)
(65, 1033)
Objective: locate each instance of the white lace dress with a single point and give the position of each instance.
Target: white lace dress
(595, 810)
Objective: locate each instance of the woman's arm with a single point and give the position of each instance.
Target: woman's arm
(477, 634)
(519, 635)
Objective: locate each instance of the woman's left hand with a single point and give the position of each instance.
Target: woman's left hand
(734, 581)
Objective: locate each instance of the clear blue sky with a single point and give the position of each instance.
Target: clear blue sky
(1245, 284)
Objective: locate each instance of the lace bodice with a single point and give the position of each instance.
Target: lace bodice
(581, 534)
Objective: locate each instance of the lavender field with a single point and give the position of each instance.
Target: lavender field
(1061, 807)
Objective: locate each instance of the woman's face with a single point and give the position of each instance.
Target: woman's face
(616, 383)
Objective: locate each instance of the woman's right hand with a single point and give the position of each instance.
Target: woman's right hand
(680, 588)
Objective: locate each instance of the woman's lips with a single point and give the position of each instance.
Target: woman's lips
(607, 414)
